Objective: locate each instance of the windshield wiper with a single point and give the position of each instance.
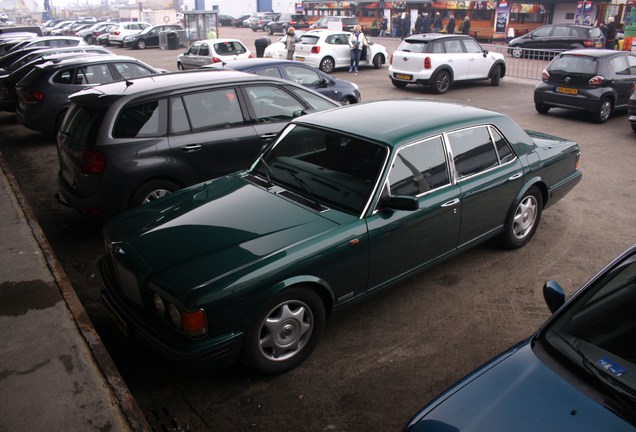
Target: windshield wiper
(304, 186)
(268, 171)
(624, 399)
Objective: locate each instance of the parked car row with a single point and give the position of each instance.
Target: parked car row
(39, 74)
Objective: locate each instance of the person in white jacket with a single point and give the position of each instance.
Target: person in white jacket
(357, 42)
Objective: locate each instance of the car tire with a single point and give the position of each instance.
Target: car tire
(152, 190)
(542, 108)
(180, 66)
(633, 125)
(271, 31)
(141, 44)
(441, 82)
(495, 76)
(517, 52)
(254, 29)
(378, 61)
(524, 220)
(284, 332)
(91, 40)
(604, 110)
(327, 65)
(348, 100)
(398, 84)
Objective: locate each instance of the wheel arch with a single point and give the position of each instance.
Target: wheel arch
(146, 180)
(501, 64)
(536, 182)
(446, 68)
(313, 283)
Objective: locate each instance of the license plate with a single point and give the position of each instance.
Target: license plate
(599, 45)
(121, 323)
(300, 58)
(404, 76)
(567, 90)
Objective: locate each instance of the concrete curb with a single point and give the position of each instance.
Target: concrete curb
(102, 358)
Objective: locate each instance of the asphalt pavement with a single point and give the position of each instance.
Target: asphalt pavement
(56, 375)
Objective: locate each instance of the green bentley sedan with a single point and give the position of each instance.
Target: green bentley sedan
(345, 202)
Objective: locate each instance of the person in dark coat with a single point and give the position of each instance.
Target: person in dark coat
(419, 24)
(450, 25)
(384, 25)
(406, 26)
(426, 23)
(437, 23)
(610, 38)
(466, 28)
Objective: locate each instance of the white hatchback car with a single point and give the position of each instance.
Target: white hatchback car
(212, 51)
(117, 35)
(439, 60)
(328, 50)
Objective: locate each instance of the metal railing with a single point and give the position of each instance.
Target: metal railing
(524, 62)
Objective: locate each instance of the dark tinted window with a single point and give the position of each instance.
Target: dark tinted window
(132, 70)
(415, 46)
(473, 151)
(419, 168)
(212, 109)
(81, 126)
(571, 63)
(94, 74)
(140, 121)
(503, 149)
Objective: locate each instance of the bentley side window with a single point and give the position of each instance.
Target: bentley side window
(473, 151)
(419, 168)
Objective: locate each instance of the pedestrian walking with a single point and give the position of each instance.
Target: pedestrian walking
(290, 42)
(426, 23)
(450, 25)
(466, 28)
(610, 38)
(437, 23)
(384, 25)
(406, 25)
(357, 42)
(419, 24)
(396, 25)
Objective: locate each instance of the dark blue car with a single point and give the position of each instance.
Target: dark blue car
(577, 373)
(339, 90)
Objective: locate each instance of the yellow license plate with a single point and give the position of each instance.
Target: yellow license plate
(300, 58)
(404, 76)
(567, 90)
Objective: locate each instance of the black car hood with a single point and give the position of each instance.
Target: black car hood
(516, 392)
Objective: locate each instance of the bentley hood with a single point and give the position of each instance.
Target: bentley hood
(205, 231)
(515, 392)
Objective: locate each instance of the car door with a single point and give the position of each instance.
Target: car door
(478, 64)
(403, 241)
(623, 67)
(152, 37)
(338, 44)
(210, 133)
(489, 176)
(539, 38)
(456, 58)
(189, 59)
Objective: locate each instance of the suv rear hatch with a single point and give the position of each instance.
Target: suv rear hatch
(410, 55)
(573, 70)
(77, 155)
